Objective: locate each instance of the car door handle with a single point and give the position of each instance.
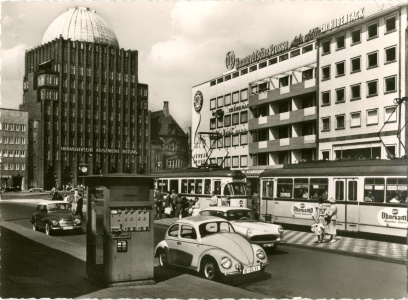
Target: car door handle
(178, 243)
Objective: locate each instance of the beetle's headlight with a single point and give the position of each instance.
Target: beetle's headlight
(280, 229)
(249, 232)
(55, 223)
(260, 254)
(77, 221)
(226, 262)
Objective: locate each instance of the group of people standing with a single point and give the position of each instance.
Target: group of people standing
(175, 205)
(325, 220)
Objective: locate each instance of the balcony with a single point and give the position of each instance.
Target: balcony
(300, 142)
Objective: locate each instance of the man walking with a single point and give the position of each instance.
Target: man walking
(255, 205)
(80, 203)
(159, 204)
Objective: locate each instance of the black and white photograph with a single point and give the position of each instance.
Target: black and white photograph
(204, 149)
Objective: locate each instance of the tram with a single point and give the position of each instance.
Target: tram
(229, 185)
(370, 195)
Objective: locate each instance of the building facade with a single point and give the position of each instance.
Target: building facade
(13, 149)
(362, 73)
(169, 143)
(85, 103)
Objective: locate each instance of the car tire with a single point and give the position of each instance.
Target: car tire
(162, 258)
(210, 269)
(35, 227)
(48, 230)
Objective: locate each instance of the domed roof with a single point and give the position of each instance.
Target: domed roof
(80, 24)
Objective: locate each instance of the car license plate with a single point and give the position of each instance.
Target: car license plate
(267, 245)
(251, 270)
(67, 228)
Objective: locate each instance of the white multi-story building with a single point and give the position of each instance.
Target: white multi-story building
(362, 77)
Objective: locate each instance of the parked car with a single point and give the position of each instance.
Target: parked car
(36, 189)
(53, 216)
(210, 246)
(263, 234)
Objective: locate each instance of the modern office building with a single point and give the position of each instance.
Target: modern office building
(169, 141)
(14, 149)
(85, 103)
(362, 78)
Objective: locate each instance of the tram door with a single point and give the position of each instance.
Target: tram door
(346, 202)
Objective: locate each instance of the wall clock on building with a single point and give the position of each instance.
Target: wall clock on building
(198, 101)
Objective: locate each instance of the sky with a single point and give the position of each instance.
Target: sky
(181, 43)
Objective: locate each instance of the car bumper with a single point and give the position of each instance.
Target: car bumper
(66, 228)
(236, 272)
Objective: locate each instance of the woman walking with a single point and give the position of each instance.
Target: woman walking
(318, 226)
(330, 218)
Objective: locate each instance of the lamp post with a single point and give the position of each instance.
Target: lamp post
(83, 168)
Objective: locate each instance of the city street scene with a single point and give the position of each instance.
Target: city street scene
(204, 150)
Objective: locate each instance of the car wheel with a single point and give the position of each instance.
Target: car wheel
(35, 227)
(210, 269)
(162, 258)
(48, 229)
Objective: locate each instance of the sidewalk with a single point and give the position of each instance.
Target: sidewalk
(377, 250)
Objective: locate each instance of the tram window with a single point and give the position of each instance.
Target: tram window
(184, 187)
(190, 186)
(317, 187)
(267, 188)
(163, 185)
(207, 186)
(374, 189)
(301, 188)
(285, 186)
(339, 190)
(227, 190)
(396, 190)
(217, 187)
(199, 186)
(174, 185)
(237, 188)
(352, 190)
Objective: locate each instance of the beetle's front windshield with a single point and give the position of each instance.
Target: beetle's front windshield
(213, 227)
(59, 206)
(240, 215)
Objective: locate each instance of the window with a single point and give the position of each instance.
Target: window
(307, 48)
(284, 81)
(355, 64)
(355, 119)
(220, 122)
(372, 88)
(220, 102)
(227, 120)
(372, 60)
(340, 95)
(390, 54)
(173, 231)
(244, 117)
(390, 25)
(212, 123)
(396, 189)
(372, 116)
(390, 84)
(213, 104)
(227, 141)
(235, 161)
(326, 98)
(326, 47)
(235, 140)
(284, 187)
(372, 31)
(244, 161)
(340, 122)
(283, 57)
(340, 42)
(244, 139)
(356, 36)
(390, 114)
(295, 53)
(340, 69)
(326, 73)
(307, 74)
(355, 91)
(326, 124)
(273, 61)
(244, 95)
(235, 97)
(235, 119)
(227, 99)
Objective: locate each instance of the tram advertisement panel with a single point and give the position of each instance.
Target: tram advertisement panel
(393, 217)
(303, 210)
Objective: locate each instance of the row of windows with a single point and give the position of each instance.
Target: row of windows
(231, 161)
(227, 99)
(73, 84)
(390, 86)
(372, 58)
(264, 64)
(228, 120)
(80, 71)
(12, 140)
(12, 153)
(230, 141)
(355, 35)
(12, 127)
(372, 118)
(11, 167)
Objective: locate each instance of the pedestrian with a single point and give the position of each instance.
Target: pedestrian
(80, 204)
(65, 197)
(196, 207)
(324, 196)
(174, 198)
(330, 218)
(167, 205)
(214, 199)
(179, 207)
(56, 196)
(318, 226)
(159, 204)
(255, 205)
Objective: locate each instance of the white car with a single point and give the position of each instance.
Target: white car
(266, 235)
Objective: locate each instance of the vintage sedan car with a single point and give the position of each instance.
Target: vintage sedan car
(53, 216)
(210, 246)
(36, 189)
(263, 234)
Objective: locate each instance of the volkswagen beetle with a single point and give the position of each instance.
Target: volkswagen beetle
(210, 246)
(263, 234)
(53, 216)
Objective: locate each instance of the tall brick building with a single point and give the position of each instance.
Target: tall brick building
(85, 103)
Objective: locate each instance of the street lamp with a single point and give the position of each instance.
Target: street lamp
(83, 168)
